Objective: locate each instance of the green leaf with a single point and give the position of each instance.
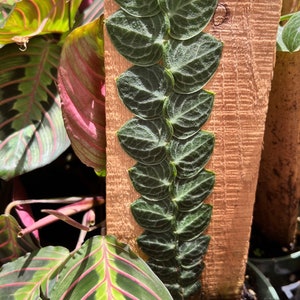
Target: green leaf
(25, 277)
(12, 246)
(103, 268)
(153, 182)
(83, 99)
(144, 90)
(191, 155)
(139, 40)
(6, 8)
(166, 270)
(190, 193)
(161, 246)
(191, 252)
(192, 62)
(145, 140)
(188, 17)
(190, 226)
(32, 132)
(280, 45)
(35, 17)
(140, 8)
(291, 34)
(188, 113)
(155, 217)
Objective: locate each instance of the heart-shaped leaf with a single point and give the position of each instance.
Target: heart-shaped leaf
(291, 34)
(145, 140)
(190, 193)
(191, 226)
(81, 87)
(105, 269)
(188, 17)
(140, 8)
(25, 277)
(187, 113)
(192, 62)
(12, 246)
(139, 40)
(191, 155)
(155, 217)
(32, 133)
(161, 246)
(144, 90)
(153, 182)
(35, 17)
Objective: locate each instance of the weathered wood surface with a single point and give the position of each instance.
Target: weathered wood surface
(242, 84)
(278, 191)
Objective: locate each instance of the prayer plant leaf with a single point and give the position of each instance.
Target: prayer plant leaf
(191, 226)
(161, 246)
(140, 8)
(12, 246)
(144, 90)
(188, 113)
(35, 17)
(153, 182)
(155, 217)
(188, 17)
(145, 140)
(139, 40)
(81, 85)
(32, 132)
(192, 62)
(6, 8)
(290, 33)
(27, 277)
(190, 193)
(103, 268)
(191, 155)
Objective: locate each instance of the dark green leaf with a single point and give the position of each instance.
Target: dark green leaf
(188, 17)
(166, 270)
(144, 90)
(291, 33)
(161, 246)
(154, 216)
(191, 226)
(191, 252)
(140, 8)
(187, 113)
(12, 246)
(190, 193)
(139, 40)
(193, 62)
(153, 182)
(32, 133)
(145, 140)
(191, 155)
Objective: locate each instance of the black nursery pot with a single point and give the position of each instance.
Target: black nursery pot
(260, 283)
(283, 273)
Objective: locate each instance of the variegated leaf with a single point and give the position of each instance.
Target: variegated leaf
(140, 8)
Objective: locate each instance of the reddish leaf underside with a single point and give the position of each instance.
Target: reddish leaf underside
(81, 86)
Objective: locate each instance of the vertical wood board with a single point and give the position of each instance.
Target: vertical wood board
(242, 84)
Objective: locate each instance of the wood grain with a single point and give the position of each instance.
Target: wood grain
(242, 84)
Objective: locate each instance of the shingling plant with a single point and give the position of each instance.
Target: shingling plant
(172, 61)
(51, 64)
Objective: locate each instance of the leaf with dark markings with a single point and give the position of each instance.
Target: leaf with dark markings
(140, 8)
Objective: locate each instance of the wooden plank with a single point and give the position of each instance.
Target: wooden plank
(242, 84)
